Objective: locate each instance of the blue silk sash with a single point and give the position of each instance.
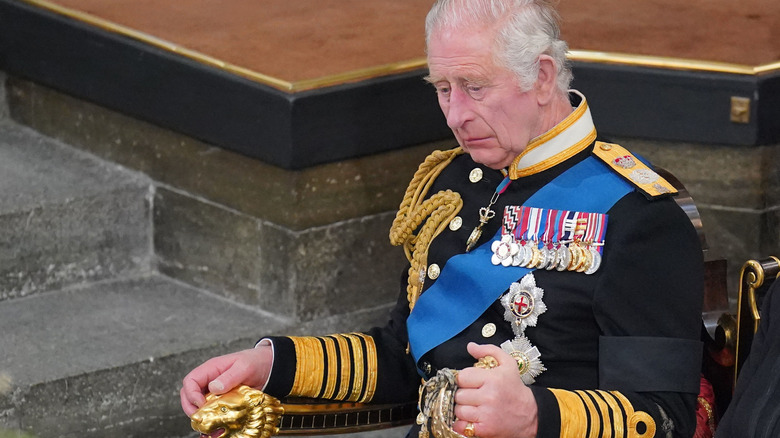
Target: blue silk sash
(469, 283)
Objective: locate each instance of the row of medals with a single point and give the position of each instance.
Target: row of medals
(577, 255)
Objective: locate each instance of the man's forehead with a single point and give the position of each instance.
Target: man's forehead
(461, 65)
(457, 73)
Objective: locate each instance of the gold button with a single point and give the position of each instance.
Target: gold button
(606, 147)
(488, 330)
(456, 223)
(475, 175)
(434, 271)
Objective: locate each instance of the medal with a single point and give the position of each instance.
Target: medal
(594, 241)
(553, 263)
(523, 257)
(561, 240)
(529, 362)
(564, 258)
(523, 304)
(504, 250)
(596, 261)
(587, 258)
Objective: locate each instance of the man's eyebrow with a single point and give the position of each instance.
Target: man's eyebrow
(430, 79)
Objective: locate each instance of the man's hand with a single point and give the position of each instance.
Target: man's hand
(496, 400)
(223, 373)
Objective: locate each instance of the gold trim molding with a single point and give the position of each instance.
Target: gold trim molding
(392, 68)
(670, 63)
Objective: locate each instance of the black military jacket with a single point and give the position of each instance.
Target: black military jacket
(620, 346)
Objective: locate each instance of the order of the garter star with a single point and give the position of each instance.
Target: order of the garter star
(523, 304)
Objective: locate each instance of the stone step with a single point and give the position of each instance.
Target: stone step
(106, 359)
(67, 217)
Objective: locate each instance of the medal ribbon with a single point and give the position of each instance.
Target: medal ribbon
(469, 283)
(525, 214)
(569, 224)
(548, 229)
(510, 219)
(535, 225)
(558, 234)
(600, 232)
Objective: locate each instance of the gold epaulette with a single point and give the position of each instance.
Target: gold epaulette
(651, 184)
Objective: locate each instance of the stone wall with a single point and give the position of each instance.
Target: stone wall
(303, 244)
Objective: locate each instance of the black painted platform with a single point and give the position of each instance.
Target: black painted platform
(298, 129)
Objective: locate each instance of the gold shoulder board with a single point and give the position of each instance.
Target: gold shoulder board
(632, 169)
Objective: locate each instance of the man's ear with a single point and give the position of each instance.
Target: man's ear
(547, 80)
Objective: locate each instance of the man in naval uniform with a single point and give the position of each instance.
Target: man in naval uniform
(562, 258)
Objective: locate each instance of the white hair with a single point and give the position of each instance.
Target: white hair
(525, 29)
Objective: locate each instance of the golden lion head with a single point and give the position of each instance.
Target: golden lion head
(243, 412)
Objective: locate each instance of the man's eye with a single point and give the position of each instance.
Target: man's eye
(475, 91)
(443, 90)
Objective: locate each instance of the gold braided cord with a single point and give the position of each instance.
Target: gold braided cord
(436, 212)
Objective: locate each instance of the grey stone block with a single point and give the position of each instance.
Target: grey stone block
(336, 269)
(66, 217)
(107, 360)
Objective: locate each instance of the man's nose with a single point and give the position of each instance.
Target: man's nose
(458, 109)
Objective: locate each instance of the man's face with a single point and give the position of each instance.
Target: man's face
(491, 118)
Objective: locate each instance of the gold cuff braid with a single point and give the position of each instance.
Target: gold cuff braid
(609, 414)
(350, 361)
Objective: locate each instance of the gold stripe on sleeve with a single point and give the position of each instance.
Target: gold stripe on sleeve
(603, 413)
(345, 368)
(357, 366)
(351, 363)
(310, 368)
(633, 418)
(595, 422)
(371, 375)
(574, 416)
(617, 414)
(609, 411)
(333, 367)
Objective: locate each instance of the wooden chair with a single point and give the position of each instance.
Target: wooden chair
(755, 278)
